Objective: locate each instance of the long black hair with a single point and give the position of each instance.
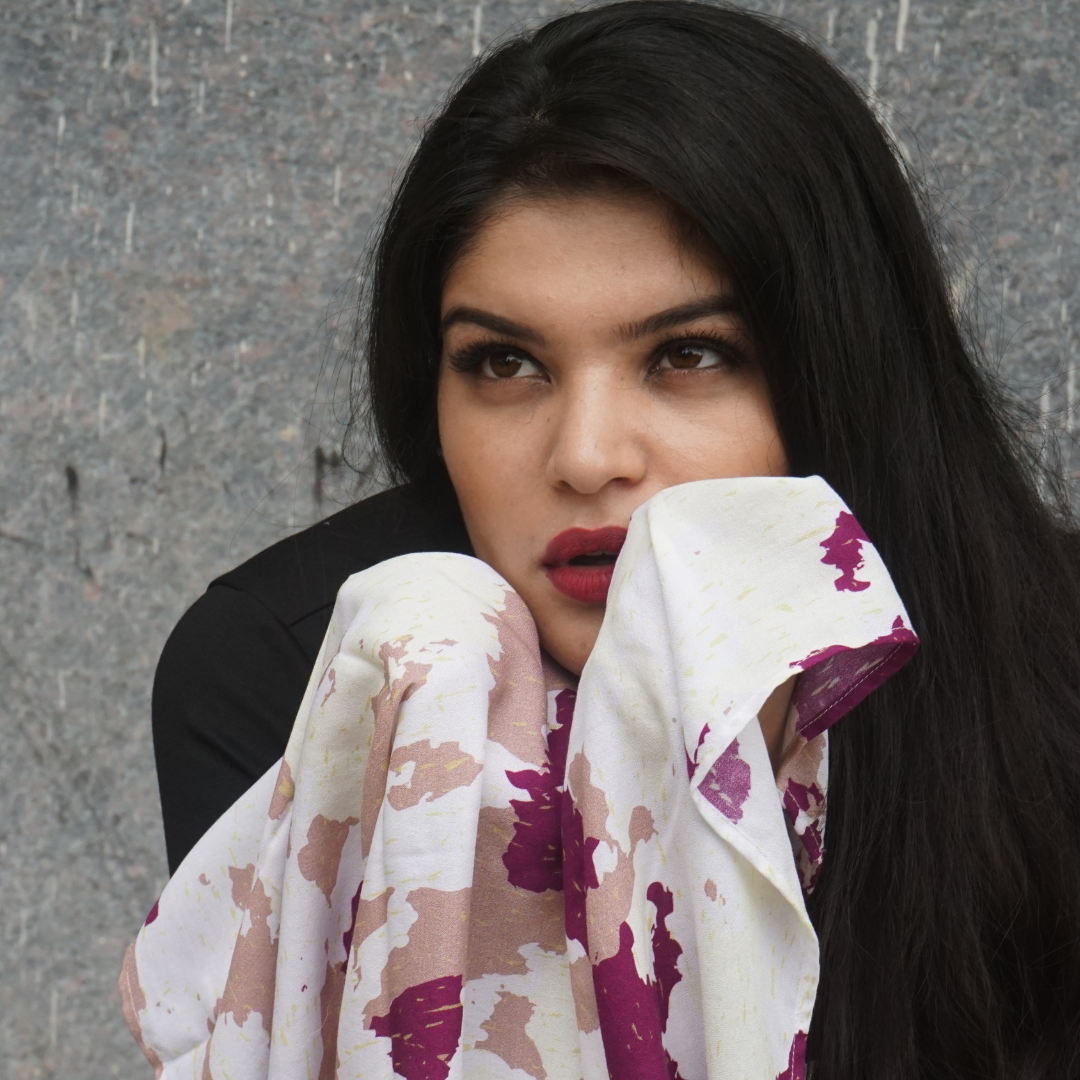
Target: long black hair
(948, 910)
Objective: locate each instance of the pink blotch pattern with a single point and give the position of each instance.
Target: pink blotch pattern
(465, 863)
(843, 549)
(796, 1067)
(424, 1028)
(727, 783)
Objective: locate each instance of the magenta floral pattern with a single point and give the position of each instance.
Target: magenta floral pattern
(469, 864)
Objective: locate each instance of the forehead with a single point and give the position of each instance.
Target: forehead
(582, 252)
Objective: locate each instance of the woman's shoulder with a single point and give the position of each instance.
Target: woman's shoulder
(233, 671)
(298, 578)
(288, 589)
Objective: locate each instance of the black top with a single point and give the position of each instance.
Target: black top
(233, 672)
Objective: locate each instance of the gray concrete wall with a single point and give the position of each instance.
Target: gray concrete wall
(184, 184)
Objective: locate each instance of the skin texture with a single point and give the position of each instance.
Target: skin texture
(561, 404)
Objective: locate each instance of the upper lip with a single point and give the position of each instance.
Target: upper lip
(571, 543)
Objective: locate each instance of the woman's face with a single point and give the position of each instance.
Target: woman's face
(590, 359)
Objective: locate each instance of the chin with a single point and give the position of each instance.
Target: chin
(571, 646)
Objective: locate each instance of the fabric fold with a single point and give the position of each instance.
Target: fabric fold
(465, 867)
(723, 590)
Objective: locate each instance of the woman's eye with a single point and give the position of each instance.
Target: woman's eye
(690, 357)
(508, 366)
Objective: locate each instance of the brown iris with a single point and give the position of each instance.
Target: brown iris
(505, 366)
(687, 356)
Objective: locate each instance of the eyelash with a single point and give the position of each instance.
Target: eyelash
(469, 358)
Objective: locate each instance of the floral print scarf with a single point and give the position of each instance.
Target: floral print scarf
(465, 866)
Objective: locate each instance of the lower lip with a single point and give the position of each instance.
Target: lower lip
(586, 584)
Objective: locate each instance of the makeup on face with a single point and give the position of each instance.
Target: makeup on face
(581, 562)
(590, 359)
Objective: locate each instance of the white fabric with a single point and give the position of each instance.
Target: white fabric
(447, 878)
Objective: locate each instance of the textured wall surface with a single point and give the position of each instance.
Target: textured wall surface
(184, 185)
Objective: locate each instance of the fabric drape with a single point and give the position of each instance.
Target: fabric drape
(465, 866)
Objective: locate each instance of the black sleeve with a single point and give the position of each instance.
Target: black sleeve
(233, 672)
(226, 692)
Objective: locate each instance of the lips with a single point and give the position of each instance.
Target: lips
(580, 562)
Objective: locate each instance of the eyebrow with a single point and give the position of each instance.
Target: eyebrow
(723, 304)
(495, 323)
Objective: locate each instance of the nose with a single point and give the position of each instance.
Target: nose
(598, 437)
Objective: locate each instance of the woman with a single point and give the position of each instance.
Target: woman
(653, 244)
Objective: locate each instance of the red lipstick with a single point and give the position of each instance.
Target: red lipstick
(580, 562)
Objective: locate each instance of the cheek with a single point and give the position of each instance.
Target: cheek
(492, 465)
(760, 437)
(731, 434)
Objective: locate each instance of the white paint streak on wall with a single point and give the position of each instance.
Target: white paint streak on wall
(74, 308)
(150, 410)
(200, 100)
(129, 228)
(140, 356)
(61, 692)
(964, 284)
(1044, 415)
(1070, 378)
(337, 185)
(830, 26)
(101, 413)
(153, 67)
(901, 24)
(61, 123)
(477, 20)
(872, 53)
(54, 1011)
(228, 25)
